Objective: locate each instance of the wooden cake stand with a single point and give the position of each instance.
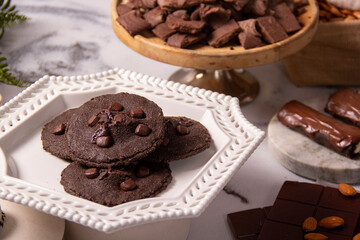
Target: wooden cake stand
(212, 68)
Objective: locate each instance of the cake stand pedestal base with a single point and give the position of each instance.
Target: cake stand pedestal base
(240, 83)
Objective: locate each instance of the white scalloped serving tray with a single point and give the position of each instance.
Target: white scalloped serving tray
(31, 176)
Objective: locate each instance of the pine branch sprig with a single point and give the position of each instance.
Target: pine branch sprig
(9, 16)
(7, 77)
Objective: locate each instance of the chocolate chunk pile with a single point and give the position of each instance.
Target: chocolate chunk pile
(301, 211)
(336, 135)
(182, 23)
(119, 146)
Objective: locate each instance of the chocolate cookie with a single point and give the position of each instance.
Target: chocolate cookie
(115, 129)
(184, 137)
(53, 135)
(114, 186)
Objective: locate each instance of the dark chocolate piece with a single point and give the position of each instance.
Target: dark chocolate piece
(59, 129)
(148, 3)
(238, 5)
(137, 113)
(171, 4)
(224, 34)
(249, 41)
(183, 40)
(183, 26)
(115, 107)
(345, 104)
(182, 130)
(256, 7)
(295, 202)
(128, 185)
(214, 14)
(133, 22)
(122, 9)
(271, 30)
(286, 18)
(246, 225)
(249, 26)
(142, 130)
(340, 137)
(92, 173)
(163, 31)
(155, 16)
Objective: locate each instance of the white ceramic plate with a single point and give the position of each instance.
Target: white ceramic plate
(33, 175)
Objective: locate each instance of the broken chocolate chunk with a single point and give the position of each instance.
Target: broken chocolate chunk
(224, 34)
(257, 7)
(155, 16)
(249, 41)
(182, 130)
(286, 18)
(183, 40)
(163, 31)
(184, 26)
(59, 129)
(133, 22)
(271, 30)
(249, 26)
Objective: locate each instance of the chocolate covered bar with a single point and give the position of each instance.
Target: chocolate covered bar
(296, 202)
(338, 136)
(345, 104)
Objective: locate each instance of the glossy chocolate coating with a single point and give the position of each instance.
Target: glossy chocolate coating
(345, 104)
(338, 136)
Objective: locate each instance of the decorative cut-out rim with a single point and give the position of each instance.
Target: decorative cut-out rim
(208, 182)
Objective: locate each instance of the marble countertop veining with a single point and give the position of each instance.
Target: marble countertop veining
(75, 37)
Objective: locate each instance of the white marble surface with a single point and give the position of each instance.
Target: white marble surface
(74, 37)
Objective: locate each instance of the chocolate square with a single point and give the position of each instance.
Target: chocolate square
(301, 192)
(183, 40)
(184, 26)
(332, 198)
(290, 212)
(249, 41)
(280, 231)
(247, 223)
(350, 219)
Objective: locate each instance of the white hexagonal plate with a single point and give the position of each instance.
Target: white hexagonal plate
(31, 176)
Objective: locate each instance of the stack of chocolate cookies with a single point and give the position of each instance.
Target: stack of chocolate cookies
(120, 146)
(182, 23)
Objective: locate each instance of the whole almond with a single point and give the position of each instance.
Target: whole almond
(309, 224)
(315, 236)
(346, 190)
(331, 222)
(356, 237)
